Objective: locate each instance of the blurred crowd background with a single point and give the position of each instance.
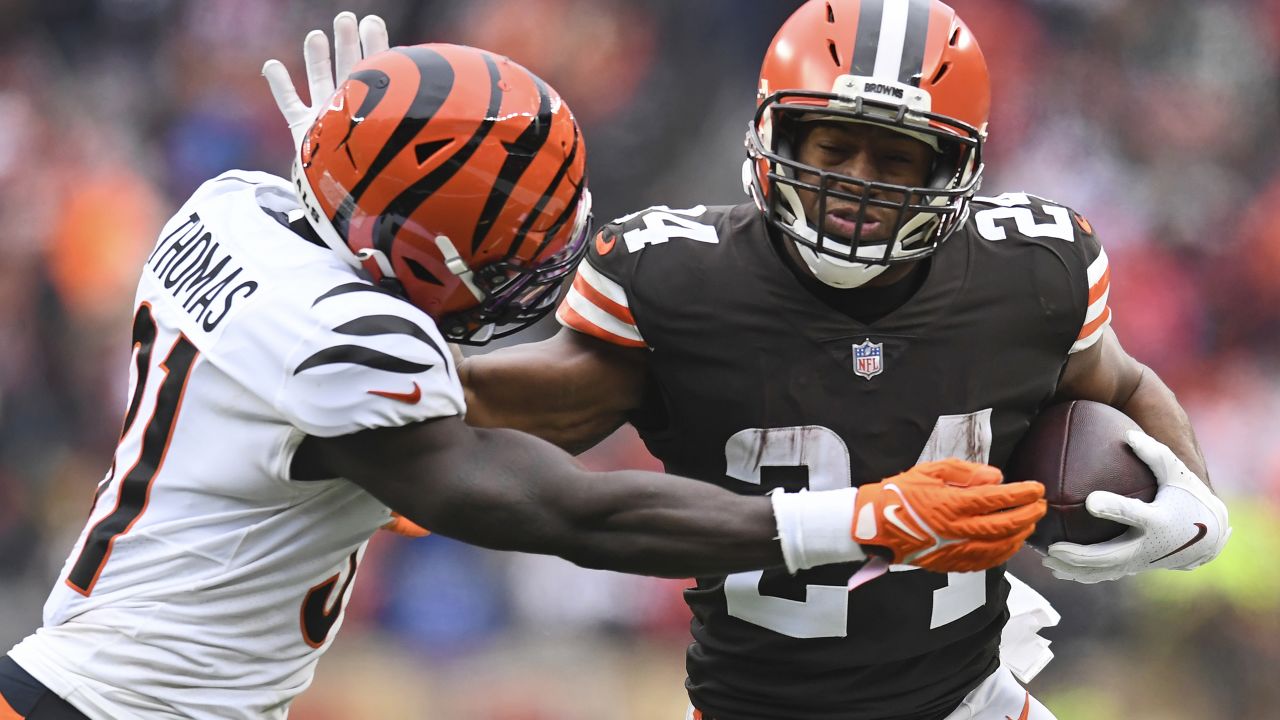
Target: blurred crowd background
(1155, 118)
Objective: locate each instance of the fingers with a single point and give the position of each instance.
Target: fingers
(998, 525)
(346, 45)
(282, 90)
(961, 473)
(315, 54)
(1152, 452)
(973, 555)
(1110, 506)
(994, 498)
(373, 35)
(1099, 555)
(1087, 576)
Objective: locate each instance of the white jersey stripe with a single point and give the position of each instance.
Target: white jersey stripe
(1088, 341)
(600, 318)
(893, 36)
(1097, 268)
(602, 284)
(1097, 307)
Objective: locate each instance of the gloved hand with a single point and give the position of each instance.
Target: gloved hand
(947, 516)
(1184, 527)
(352, 44)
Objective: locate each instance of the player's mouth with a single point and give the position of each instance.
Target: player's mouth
(843, 223)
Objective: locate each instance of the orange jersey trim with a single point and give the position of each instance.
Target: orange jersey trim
(597, 298)
(7, 712)
(1100, 287)
(571, 318)
(1098, 322)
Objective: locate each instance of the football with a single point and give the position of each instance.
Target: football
(1074, 448)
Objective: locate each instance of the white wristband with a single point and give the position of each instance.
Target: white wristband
(816, 528)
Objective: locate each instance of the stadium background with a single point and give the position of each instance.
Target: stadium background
(1155, 118)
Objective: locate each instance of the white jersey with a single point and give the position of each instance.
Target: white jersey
(207, 582)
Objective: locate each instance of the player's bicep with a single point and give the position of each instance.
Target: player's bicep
(571, 389)
(1104, 372)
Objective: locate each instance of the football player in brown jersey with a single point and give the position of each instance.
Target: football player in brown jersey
(863, 312)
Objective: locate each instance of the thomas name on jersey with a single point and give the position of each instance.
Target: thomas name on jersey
(186, 262)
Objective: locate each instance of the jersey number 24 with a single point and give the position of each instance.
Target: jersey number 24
(825, 610)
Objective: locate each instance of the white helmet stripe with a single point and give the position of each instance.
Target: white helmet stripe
(890, 42)
(893, 36)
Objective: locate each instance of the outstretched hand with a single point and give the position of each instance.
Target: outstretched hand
(352, 43)
(948, 516)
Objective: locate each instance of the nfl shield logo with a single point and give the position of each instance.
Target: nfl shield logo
(868, 359)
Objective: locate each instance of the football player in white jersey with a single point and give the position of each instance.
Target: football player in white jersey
(291, 386)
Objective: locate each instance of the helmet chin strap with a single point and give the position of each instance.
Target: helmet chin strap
(834, 272)
(831, 271)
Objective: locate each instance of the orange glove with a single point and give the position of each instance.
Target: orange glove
(402, 525)
(947, 516)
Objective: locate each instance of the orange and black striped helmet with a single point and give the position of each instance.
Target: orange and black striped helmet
(455, 177)
(909, 65)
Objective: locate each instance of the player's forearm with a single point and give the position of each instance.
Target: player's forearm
(531, 497)
(522, 388)
(655, 524)
(1157, 411)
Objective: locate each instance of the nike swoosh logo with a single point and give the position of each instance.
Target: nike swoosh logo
(1026, 710)
(409, 398)
(603, 247)
(891, 514)
(1200, 533)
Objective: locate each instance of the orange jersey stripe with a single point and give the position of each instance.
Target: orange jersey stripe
(1100, 287)
(571, 318)
(7, 712)
(1097, 323)
(597, 298)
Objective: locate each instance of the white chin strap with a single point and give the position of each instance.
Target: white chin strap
(838, 273)
(833, 271)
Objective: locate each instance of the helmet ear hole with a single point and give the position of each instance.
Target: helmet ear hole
(420, 272)
(424, 151)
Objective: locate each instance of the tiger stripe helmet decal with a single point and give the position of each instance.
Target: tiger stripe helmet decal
(454, 177)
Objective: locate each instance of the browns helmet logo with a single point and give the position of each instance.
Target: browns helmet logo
(455, 177)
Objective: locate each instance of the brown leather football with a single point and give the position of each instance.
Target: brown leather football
(1075, 448)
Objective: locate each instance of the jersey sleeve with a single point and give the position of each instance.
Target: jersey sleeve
(368, 361)
(598, 302)
(1096, 279)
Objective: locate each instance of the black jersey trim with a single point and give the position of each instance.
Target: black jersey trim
(360, 355)
(389, 325)
(353, 287)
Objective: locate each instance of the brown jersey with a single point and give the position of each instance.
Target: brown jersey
(756, 383)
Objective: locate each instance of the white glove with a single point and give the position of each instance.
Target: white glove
(1184, 527)
(352, 44)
